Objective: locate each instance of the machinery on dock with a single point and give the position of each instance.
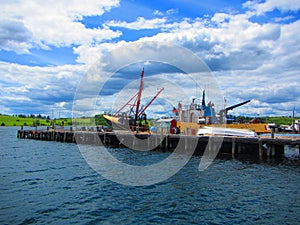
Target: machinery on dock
(195, 116)
(135, 118)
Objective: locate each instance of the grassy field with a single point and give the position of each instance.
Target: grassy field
(280, 120)
(6, 120)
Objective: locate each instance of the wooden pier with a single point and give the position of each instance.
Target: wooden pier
(261, 147)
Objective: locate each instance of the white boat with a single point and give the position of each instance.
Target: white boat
(223, 131)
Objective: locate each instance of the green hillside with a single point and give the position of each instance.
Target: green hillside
(6, 120)
(283, 120)
(21, 120)
(279, 120)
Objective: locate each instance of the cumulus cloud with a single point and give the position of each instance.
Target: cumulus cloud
(220, 17)
(234, 38)
(270, 5)
(53, 23)
(270, 93)
(14, 36)
(33, 89)
(221, 41)
(140, 23)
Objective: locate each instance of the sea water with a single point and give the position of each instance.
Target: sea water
(51, 183)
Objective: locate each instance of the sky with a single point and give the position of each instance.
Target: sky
(64, 58)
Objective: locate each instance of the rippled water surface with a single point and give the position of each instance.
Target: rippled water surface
(50, 183)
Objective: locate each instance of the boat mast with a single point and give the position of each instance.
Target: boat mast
(135, 101)
(293, 120)
(139, 95)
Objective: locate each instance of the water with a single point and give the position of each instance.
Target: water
(50, 183)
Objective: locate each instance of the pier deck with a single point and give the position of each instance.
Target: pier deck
(260, 147)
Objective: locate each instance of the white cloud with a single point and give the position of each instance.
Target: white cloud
(275, 90)
(140, 23)
(234, 38)
(220, 17)
(14, 36)
(282, 19)
(158, 13)
(91, 54)
(168, 12)
(270, 5)
(172, 11)
(42, 88)
(56, 23)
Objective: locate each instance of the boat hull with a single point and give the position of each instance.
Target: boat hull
(121, 123)
(218, 131)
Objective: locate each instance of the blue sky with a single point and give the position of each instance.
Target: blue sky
(252, 49)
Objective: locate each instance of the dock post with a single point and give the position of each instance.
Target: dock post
(104, 139)
(73, 137)
(95, 138)
(121, 142)
(185, 143)
(268, 151)
(239, 148)
(273, 150)
(161, 141)
(260, 150)
(83, 137)
(133, 142)
(233, 145)
(167, 143)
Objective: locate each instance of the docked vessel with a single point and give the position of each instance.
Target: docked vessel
(220, 131)
(194, 117)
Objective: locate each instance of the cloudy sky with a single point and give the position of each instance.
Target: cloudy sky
(52, 52)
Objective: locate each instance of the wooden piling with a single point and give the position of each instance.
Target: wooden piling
(260, 149)
(273, 150)
(239, 147)
(233, 145)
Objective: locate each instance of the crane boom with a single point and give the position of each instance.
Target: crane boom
(138, 102)
(149, 103)
(237, 105)
(126, 104)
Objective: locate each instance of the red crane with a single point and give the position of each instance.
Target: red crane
(135, 101)
(138, 101)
